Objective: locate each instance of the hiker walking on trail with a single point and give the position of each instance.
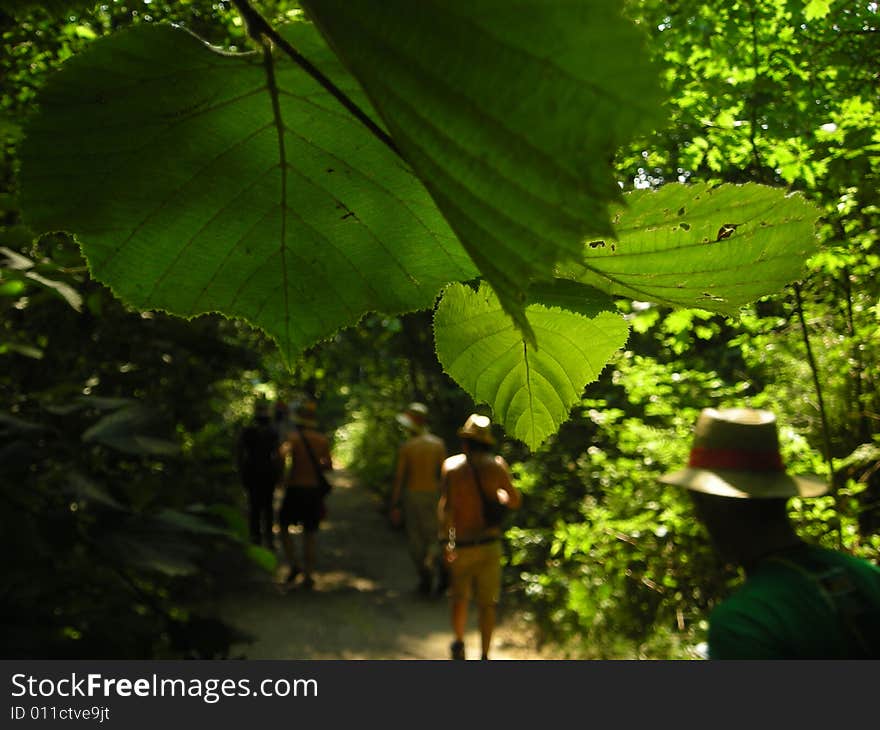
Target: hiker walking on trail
(417, 489)
(281, 419)
(476, 492)
(259, 467)
(306, 487)
(798, 601)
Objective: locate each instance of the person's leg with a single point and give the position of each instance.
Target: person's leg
(413, 534)
(459, 617)
(461, 578)
(312, 514)
(286, 518)
(266, 516)
(253, 501)
(423, 543)
(459, 622)
(487, 627)
(309, 550)
(488, 588)
(428, 531)
(289, 552)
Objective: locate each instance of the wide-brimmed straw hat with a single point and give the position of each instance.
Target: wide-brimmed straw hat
(735, 453)
(306, 414)
(477, 428)
(414, 417)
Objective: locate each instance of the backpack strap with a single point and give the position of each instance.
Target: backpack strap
(836, 588)
(483, 499)
(315, 463)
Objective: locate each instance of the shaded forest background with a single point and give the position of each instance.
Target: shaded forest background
(120, 503)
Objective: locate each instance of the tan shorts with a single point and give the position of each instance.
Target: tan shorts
(476, 569)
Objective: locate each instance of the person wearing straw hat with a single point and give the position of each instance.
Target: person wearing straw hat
(417, 489)
(798, 601)
(309, 452)
(474, 483)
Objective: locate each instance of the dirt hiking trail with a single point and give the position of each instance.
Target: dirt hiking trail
(363, 605)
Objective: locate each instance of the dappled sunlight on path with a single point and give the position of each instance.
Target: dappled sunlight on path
(363, 604)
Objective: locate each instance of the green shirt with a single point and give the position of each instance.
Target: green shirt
(803, 603)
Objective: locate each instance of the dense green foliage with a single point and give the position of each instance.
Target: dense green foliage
(118, 424)
(118, 504)
(779, 92)
(115, 470)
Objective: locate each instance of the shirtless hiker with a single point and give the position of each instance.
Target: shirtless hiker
(417, 488)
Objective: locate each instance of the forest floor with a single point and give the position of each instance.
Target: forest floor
(363, 605)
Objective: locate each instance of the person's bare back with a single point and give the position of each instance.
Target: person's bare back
(464, 499)
(422, 456)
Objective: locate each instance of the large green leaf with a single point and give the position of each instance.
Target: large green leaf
(176, 520)
(83, 487)
(190, 194)
(530, 391)
(710, 247)
(167, 555)
(266, 559)
(231, 516)
(509, 110)
(127, 430)
(13, 426)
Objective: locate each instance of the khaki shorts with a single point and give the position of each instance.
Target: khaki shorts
(476, 568)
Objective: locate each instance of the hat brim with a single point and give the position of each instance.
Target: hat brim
(404, 420)
(746, 485)
(488, 439)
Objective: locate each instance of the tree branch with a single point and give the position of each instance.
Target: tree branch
(826, 432)
(753, 107)
(258, 28)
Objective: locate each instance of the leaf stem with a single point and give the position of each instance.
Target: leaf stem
(258, 28)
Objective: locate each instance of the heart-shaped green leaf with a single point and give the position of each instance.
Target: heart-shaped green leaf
(509, 111)
(530, 391)
(190, 192)
(710, 247)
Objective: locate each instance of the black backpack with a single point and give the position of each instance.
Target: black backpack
(259, 451)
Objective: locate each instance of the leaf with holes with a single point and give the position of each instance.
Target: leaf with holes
(509, 111)
(709, 247)
(530, 391)
(197, 181)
